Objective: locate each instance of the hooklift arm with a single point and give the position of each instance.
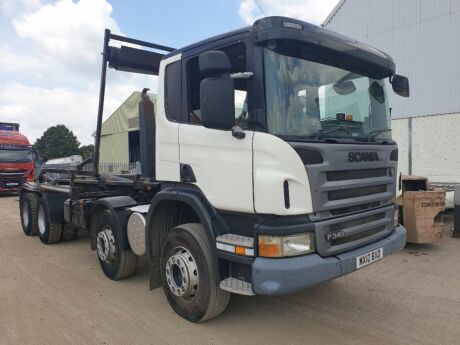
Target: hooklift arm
(124, 59)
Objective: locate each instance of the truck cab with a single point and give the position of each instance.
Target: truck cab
(297, 149)
(16, 159)
(268, 167)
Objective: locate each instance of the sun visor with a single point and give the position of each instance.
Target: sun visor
(303, 40)
(135, 60)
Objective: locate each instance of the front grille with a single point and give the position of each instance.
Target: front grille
(355, 192)
(12, 173)
(12, 179)
(351, 200)
(355, 174)
(356, 222)
(358, 236)
(337, 235)
(351, 209)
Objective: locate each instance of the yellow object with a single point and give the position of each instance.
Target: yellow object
(269, 246)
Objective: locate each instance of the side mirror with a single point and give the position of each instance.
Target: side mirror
(217, 93)
(217, 102)
(400, 85)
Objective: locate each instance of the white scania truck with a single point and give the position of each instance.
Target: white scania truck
(267, 167)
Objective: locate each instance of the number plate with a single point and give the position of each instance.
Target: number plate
(12, 184)
(368, 258)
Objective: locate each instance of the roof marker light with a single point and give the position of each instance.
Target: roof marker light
(293, 25)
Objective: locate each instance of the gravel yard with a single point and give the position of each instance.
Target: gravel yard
(57, 294)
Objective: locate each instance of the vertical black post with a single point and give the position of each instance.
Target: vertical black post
(410, 135)
(456, 232)
(100, 110)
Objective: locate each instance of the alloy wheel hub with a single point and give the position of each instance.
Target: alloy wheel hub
(182, 273)
(106, 245)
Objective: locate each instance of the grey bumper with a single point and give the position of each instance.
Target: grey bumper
(283, 276)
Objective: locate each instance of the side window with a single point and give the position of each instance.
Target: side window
(173, 91)
(237, 55)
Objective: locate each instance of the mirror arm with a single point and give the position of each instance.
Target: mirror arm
(241, 75)
(238, 132)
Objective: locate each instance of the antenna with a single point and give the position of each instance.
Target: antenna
(260, 8)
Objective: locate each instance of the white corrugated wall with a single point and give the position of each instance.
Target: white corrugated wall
(435, 146)
(422, 36)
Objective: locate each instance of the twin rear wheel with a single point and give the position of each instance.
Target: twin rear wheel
(35, 219)
(189, 271)
(28, 212)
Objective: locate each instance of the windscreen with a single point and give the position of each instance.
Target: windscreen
(15, 156)
(307, 99)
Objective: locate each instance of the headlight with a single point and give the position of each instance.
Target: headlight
(279, 246)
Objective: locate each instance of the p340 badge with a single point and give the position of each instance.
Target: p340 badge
(334, 235)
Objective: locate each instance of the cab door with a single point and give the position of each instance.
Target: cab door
(221, 163)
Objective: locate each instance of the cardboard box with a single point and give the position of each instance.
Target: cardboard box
(422, 214)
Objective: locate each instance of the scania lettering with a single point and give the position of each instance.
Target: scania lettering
(246, 172)
(362, 156)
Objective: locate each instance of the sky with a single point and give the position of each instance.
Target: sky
(50, 50)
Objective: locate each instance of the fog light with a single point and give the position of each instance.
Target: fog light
(281, 246)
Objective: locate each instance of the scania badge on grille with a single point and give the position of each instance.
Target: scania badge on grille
(363, 156)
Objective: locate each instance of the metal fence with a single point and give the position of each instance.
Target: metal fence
(116, 168)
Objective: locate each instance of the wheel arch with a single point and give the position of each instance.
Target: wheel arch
(162, 217)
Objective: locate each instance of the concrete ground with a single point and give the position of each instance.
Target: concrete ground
(57, 294)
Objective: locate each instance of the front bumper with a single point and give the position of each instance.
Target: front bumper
(288, 275)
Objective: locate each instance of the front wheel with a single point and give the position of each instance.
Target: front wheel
(116, 263)
(190, 276)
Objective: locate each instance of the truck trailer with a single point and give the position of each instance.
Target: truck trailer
(16, 158)
(267, 167)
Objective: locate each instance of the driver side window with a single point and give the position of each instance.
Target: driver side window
(237, 56)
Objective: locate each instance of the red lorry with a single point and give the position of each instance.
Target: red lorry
(16, 158)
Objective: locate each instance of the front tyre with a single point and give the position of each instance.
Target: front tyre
(116, 263)
(190, 276)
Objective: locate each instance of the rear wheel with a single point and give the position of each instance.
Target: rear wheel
(116, 263)
(69, 233)
(48, 231)
(190, 276)
(28, 210)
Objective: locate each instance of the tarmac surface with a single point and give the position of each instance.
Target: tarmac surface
(57, 294)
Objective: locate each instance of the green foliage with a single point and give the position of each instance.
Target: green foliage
(86, 151)
(57, 141)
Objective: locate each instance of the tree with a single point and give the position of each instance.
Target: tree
(57, 141)
(86, 151)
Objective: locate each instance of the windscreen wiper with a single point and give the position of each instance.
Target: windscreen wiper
(372, 134)
(322, 132)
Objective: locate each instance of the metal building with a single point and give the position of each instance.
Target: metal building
(422, 38)
(120, 148)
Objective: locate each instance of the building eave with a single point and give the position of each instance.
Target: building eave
(333, 12)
